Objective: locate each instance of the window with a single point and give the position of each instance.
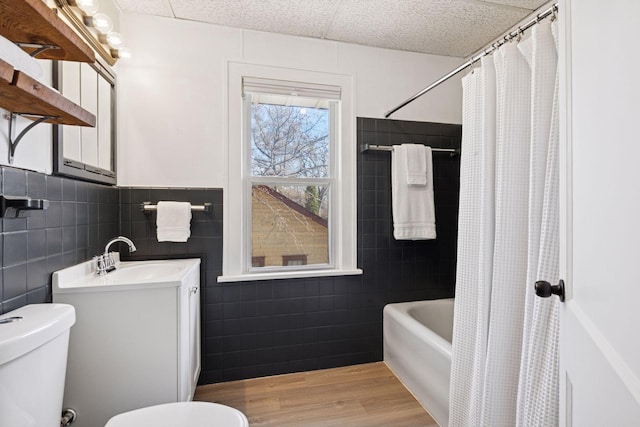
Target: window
(290, 197)
(289, 141)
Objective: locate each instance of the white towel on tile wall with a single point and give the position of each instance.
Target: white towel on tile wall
(413, 206)
(416, 163)
(173, 221)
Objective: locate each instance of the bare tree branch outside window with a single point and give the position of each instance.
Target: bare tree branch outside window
(292, 141)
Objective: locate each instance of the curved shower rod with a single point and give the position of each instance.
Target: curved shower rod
(508, 36)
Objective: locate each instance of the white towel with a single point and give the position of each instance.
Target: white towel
(416, 164)
(173, 221)
(413, 208)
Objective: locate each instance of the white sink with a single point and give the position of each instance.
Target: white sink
(143, 271)
(130, 274)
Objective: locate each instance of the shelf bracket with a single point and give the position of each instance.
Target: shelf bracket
(39, 48)
(13, 143)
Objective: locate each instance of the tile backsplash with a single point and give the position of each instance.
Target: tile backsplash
(259, 328)
(81, 217)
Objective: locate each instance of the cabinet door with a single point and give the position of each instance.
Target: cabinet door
(194, 336)
(104, 125)
(70, 87)
(89, 101)
(189, 337)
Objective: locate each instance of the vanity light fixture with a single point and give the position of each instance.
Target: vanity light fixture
(88, 7)
(114, 40)
(121, 53)
(101, 22)
(97, 27)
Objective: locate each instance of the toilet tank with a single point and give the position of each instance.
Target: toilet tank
(33, 359)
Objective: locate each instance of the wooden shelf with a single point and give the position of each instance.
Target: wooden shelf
(25, 95)
(6, 73)
(32, 21)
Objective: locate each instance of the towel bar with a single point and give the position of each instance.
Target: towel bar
(372, 147)
(148, 207)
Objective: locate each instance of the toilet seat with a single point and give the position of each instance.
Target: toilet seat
(181, 414)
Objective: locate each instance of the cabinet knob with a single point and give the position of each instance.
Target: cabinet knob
(193, 290)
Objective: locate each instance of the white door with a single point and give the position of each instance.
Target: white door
(600, 202)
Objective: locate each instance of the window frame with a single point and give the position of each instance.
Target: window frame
(236, 257)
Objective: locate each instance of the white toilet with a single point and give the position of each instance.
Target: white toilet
(33, 358)
(181, 414)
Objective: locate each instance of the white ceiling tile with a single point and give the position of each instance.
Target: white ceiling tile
(303, 18)
(525, 4)
(221, 12)
(444, 27)
(149, 7)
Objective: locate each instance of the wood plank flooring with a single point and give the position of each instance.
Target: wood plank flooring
(354, 396)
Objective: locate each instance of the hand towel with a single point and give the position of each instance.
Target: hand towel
(413, 207)
(416, 163)
(173, 221)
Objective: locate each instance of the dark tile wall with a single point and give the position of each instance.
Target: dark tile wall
(260, 328)
(80, 219)
(206, 228)
(407, 270)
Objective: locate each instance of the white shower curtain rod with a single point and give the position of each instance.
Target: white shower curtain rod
(508, 36)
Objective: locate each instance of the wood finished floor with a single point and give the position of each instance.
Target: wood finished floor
(354, 396)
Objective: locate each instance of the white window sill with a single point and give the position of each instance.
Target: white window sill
(287, 275)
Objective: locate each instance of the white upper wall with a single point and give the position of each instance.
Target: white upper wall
(172, 93)
(35, 150)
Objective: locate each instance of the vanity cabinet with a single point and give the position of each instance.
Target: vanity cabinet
(136, 340)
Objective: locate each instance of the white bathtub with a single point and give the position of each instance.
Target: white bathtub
(417, 348)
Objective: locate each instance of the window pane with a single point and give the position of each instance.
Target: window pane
(289, 224)
(294, 260)
(289, 140)
(257, 261)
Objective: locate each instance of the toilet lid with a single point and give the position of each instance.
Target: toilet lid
(181, 414)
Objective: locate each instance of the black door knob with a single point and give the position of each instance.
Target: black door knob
(545, 289)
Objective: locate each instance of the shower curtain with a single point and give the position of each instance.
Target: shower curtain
(505, 343)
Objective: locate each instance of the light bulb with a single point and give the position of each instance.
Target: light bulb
(123, 53)
(102, 23)
(88, 7)
(115, 40)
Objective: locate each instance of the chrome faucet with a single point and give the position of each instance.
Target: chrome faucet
(105, 262)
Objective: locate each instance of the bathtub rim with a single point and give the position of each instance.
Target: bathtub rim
(399, 312)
